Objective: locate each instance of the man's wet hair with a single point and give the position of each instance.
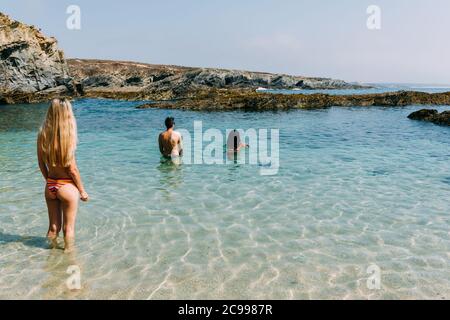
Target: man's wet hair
(170, 121)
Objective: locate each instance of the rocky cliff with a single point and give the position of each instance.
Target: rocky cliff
(130, 80)
(32, 68)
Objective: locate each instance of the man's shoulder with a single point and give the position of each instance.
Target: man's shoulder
(176, 134)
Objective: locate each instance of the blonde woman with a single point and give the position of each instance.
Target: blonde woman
(56, 144)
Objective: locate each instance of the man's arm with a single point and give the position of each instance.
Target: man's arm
(161, 149)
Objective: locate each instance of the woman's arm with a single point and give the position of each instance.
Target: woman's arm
(180, 143)
(74, 173)
(42, 166)
(242, 145)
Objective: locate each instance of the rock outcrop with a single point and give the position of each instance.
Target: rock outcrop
(221, 99)
(136, 81)
(431, 115)
(32, 68)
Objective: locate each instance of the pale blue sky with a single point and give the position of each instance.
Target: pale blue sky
(326, 38)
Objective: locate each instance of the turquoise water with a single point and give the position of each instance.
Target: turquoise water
(356, 187)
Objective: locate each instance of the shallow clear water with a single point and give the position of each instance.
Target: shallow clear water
(356, 187)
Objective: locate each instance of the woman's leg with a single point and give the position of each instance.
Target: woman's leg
(69, 196)
(54, 216)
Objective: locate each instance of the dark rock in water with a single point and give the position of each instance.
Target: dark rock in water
(31, 66)
(431, 115)
(423, 114)
(33, 69)
(442, 118)
(228, 99)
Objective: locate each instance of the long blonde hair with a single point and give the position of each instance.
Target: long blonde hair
(57, 137)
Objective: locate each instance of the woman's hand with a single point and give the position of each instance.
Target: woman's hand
(84, 196)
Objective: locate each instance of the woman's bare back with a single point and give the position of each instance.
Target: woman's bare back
(58, 172)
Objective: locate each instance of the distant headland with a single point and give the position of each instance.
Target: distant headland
(34, 69)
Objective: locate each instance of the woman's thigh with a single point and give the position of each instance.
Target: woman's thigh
(54, 208)
(69, 197)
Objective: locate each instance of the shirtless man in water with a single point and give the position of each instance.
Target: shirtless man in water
(170, 144)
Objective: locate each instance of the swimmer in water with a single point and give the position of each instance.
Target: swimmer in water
(234, 143)
(170, 141)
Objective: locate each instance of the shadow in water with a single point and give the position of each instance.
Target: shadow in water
(168, 164)
(232, 156)
(30, 241)
(171, 173)
(62, 268)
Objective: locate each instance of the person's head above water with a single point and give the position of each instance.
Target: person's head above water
(234, 140)
(170, 122)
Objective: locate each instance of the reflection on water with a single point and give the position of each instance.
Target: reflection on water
(232, 156)
(171, 173)
(64, 275)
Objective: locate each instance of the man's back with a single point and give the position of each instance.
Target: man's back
(169, 143)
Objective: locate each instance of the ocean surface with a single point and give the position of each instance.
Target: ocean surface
(359, 190)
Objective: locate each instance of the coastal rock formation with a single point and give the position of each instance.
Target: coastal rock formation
(135, 81)
(32, 68)
(221, 99)
(431, 115)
